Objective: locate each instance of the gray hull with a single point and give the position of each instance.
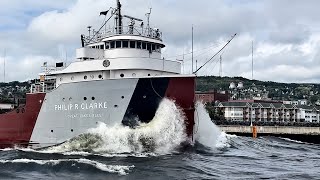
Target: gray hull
(73, 108)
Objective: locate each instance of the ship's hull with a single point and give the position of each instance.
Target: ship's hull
(71, 109)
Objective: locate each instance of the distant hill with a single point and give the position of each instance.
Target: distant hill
(276, 91)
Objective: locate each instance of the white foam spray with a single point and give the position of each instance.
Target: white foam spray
(206, 132)
(162, 135)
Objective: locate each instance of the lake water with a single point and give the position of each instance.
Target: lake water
(154, 151)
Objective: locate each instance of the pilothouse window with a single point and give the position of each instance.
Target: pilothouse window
(144, 46)
(107, 45)
(112, 44)
(125, 44)
(153, 47)
(139, 44)
(148, 46)
(118, 44)
(132, 44)
(158, 48)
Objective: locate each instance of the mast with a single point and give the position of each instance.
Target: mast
(119, 18)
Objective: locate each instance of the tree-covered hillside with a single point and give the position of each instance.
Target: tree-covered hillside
(274, 90)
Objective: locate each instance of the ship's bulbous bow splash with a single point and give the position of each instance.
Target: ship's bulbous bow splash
(163, 135)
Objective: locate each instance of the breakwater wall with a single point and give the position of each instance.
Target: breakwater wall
(306, 134)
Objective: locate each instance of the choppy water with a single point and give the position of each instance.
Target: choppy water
(153, 152)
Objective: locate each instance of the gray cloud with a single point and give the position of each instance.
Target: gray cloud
(285, 33)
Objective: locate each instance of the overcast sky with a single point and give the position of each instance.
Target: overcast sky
(285, 34)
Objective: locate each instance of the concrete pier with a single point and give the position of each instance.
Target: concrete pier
(306, 134)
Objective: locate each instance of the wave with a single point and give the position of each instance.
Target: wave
(206, 132)
(291, 140)
(121, 170)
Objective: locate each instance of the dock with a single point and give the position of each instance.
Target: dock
(305, 134)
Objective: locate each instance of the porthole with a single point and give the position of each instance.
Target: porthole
(100, 76)
(122, 75)
(70, 98)
(148, 74)
(71, 130)
(63, 99)
(92, 76)
(85, 98)
(85, 77)
(72, 78)
(51, 130)
(115, 106)
(122, 97)
(144, 96)
(93, 98)
(133, 74)
(61, 79)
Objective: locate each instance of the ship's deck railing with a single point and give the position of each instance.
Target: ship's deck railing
(43, 86)
(126, 30)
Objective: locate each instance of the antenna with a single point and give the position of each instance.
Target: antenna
(183, 61)
(252, 61)
(220, 70)
(89, 29)
(196, 64)
(66, 58)
(215, 54)
(192, 47)
(4, 66)
(148, 20)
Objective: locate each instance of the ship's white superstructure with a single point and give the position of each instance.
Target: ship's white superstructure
(131, 51)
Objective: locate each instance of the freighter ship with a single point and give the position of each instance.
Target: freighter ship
(119, 77)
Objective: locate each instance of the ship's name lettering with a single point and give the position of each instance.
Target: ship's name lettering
(82, 106)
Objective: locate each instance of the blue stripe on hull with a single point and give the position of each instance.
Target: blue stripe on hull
(145, 100)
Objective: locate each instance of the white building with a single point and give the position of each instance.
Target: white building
(269, 112)
(6, 106)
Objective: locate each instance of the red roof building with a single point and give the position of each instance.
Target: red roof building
(212, 96)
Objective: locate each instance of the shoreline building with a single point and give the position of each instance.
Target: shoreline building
(212, 96)
(268, 112)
